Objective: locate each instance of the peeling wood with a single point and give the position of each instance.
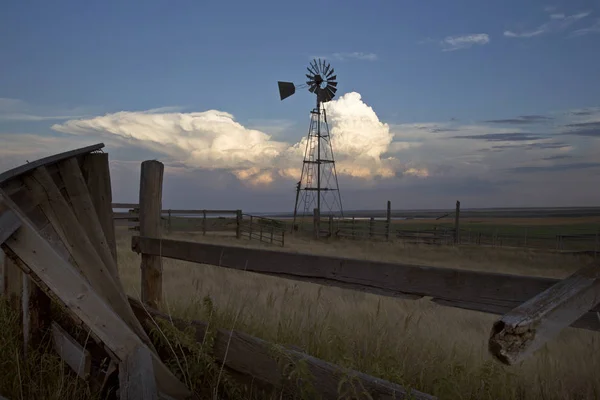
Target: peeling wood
(529, 326)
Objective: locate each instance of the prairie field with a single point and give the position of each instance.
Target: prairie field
(437, 350)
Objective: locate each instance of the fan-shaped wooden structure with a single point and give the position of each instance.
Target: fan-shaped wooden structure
(57, 233)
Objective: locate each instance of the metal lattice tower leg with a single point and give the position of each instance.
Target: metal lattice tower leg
(318, 186)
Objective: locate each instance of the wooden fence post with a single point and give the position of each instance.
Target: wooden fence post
(238, 222)
(316, 222)
(169, 222)
(203, 222)
(353, 232)
(388, 221)
(151, 180)
(371, 225)
(331, 225)
(457, 223)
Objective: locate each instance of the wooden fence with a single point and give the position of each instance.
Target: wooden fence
(57, 231)
(263, 229)
(541, 307)
(251, 227)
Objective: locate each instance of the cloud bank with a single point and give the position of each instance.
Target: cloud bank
(215, 140)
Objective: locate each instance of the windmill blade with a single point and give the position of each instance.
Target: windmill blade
(332, 84)
(310, 77)
(314, 67)
(330, 73)
(332, 79)
(327, 68)
(311, 71)
(313, 88)
(322, 65)
(330, 92)
(286, 89)
(332, 88)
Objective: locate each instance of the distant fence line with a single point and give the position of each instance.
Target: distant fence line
(248, 226)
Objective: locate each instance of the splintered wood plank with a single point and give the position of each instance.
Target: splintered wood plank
(84, 210)
(41, 260)
(529, 326)
(252, 356)
(76, 357)
(472, 290)
(86, 258)
(22, 169)
(136, 376)
(96, 173)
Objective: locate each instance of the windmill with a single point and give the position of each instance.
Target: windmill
(318, 186)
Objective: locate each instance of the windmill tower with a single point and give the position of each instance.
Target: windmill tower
(318, 186)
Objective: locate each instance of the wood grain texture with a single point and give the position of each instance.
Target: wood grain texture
(81, 248)
(532, 324)
(76, 357)
(151, 180)
(85, 212)
(96, 173)
(40, 259)
(35, 306)
(22, 169)
(136, 376)
(473, 290)
(9, 223)
(252, 356)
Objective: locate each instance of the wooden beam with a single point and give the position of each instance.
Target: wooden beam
(457, 223)
(20, 170)
(9, 223)
(529, 326)
(255, 357)
(151, 181)
(472, 290)
(13, 285)
(42, 261)
(82, 250)
(35, 306)
(76, 357)
(96, 173)
(136, 377)
(85, 212)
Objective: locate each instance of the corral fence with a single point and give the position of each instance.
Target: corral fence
(263, 229)
(584, 238)
(233, 222)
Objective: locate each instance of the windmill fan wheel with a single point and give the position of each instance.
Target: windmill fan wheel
(321, 80)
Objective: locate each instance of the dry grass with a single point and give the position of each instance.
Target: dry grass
(437, 350)
(39, 375)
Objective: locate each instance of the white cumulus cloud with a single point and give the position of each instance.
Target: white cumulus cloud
(215, 140)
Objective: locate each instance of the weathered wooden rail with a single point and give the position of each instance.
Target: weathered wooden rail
(57, 232)
(535, 309)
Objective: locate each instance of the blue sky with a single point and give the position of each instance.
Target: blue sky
(431, 65)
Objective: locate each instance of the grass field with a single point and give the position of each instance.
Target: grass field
(437, 350)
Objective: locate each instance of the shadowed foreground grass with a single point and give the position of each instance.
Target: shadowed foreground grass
(438, 350)
(40, 375)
